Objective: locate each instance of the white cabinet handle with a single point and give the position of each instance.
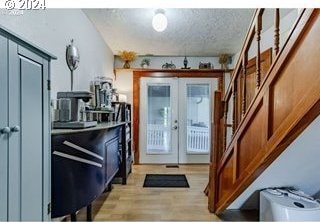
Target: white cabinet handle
(5, 130)
(15, 129)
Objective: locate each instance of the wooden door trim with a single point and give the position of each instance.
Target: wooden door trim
(213, 73)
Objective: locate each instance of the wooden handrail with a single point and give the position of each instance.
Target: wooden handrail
(243, 49)
(283, 105)
(241, 66)
(243, 54)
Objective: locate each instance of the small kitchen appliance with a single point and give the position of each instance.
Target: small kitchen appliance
(72, 110)
(103, 92)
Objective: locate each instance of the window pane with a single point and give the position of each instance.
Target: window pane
(198, 118)
(159, 119)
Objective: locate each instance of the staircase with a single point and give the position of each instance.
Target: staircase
(272, 97)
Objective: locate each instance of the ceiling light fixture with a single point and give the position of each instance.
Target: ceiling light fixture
(159, 21)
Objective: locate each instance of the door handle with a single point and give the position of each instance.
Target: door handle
(175, 127)
(5, 130)
(15, 129)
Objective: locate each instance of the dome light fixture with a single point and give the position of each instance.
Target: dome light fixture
(159, 21)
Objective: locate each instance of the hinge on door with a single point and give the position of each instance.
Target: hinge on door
(49, 84)
(49, 208)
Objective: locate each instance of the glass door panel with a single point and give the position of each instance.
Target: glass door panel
(195, 119)
(159, 119)
(158, 131)
(198, 118)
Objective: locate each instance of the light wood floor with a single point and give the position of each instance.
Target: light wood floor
(132, 202)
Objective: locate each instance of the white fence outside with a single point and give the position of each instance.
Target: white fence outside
(158, 139)
(198, 139)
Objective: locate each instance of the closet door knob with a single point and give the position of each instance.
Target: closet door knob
(5, 130)
(15, 129)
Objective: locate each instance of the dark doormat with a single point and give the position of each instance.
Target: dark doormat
(172, 166)
(166, 180)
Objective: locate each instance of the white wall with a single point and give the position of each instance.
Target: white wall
(124, 83)
(52, 30)
(267, 35)
(267, 41)
(297, 166)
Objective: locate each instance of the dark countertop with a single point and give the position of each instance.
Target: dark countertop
(100, 126)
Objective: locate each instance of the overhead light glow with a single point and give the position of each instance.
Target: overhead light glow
(159, 21)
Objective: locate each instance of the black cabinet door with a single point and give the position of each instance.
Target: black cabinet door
(78, 170)
(112, 158)
(83, 163)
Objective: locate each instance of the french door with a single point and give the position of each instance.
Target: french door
(175, 120)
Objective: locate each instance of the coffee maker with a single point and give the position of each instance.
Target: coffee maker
(103, 92)
(72, 110)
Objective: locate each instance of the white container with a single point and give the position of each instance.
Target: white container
(280, 205)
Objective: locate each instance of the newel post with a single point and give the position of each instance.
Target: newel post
(215, 153)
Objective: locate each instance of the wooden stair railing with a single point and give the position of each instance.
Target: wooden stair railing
(286, 100)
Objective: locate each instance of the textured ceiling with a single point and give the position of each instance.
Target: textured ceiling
(195, 32)
(192, 32)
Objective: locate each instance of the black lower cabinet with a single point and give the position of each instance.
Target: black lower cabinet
(112, 159)
(83, 165)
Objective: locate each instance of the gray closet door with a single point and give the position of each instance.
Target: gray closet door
(3, 123)
(26, 145)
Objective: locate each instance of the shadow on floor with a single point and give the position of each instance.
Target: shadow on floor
(239, 215)
(97, 204)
